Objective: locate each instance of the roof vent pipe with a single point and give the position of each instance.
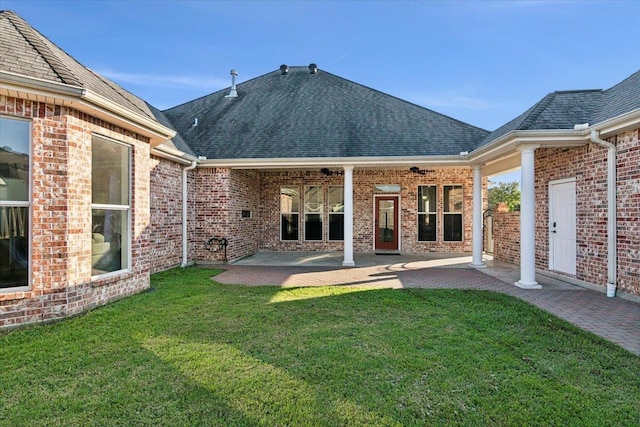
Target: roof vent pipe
(233, 93)
(313, 68)
(284, 69)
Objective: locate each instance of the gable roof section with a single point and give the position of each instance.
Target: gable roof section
(563, 110)
(26, 52)
(303, 115)
(557, 110)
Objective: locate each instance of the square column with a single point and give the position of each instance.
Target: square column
(477, 218)
(348, 217)
(527, 220)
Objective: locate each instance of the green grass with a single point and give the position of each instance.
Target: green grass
(195, 352)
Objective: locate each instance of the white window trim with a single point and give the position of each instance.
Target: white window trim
(28, 204)
(461, 213)
(435, 212)
(329, 213)
(288, 213)
(305, 213)
(126, 208)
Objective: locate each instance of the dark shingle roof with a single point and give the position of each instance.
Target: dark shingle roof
(564, 110)
(621, 98)
(315, 115)
(176, 142)
(25, 51)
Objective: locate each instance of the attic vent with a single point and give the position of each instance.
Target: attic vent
(313, 68)
(284, 69)
(233, 93)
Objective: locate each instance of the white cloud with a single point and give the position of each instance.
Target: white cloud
(168, 81)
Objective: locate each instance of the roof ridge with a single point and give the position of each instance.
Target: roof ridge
(35, 39)
(537, 110)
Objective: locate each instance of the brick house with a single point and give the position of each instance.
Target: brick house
(98, 189)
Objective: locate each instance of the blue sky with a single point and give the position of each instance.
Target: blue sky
(480, 62)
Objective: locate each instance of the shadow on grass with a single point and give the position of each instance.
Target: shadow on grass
(198, 353)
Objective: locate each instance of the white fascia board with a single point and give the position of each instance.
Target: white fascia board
(510, 142)
(174, 158)
(18, 82)
(320, 162)
(151, 128)
(84, 100)
(615, 125)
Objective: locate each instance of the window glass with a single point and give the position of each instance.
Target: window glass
(453, 204)
(14, 160)
(427, 215)
(15, 210)
(110, 210)
(110, 173)
(336, 212)
(313, 209)
(289, 216)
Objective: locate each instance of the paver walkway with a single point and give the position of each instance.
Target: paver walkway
(615, 319)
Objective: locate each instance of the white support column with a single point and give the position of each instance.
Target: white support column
(527, 220)
(348, 217)
(477, 218)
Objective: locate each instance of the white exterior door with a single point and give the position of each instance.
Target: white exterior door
(562, 226)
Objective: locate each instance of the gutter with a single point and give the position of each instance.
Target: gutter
(185, 239)
(612, 241)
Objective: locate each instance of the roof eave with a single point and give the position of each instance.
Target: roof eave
(32, 88)
(320, 162)
(508, 143)
(618, 124)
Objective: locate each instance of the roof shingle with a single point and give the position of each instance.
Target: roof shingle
(316, 115)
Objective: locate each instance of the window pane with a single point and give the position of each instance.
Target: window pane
(386, 188)
(453, 227)
(14, 160)
(289, 199)
(453, 198)
(427, 227)
(313, 199)
(110, 172)
(336, 227)
(426, 198)
(336, 198)
(289, 227)
(109, 240)
(14, 246)
(313, 227)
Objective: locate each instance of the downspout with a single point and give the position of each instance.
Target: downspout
(185, 239)
(612, 242)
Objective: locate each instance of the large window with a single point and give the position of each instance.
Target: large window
(289, 212)
(427, 225)
(15, 195)
(313, 211)
(336, 212)
(110, 206)
(453, 203)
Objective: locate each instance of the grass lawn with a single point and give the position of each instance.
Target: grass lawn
(195, 352)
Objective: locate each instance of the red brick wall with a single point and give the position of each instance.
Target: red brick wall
(506, 236)
(588, 165)
(165, 243)
(364, 181)
(217, 199)
(628, 182)
(61, 216)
